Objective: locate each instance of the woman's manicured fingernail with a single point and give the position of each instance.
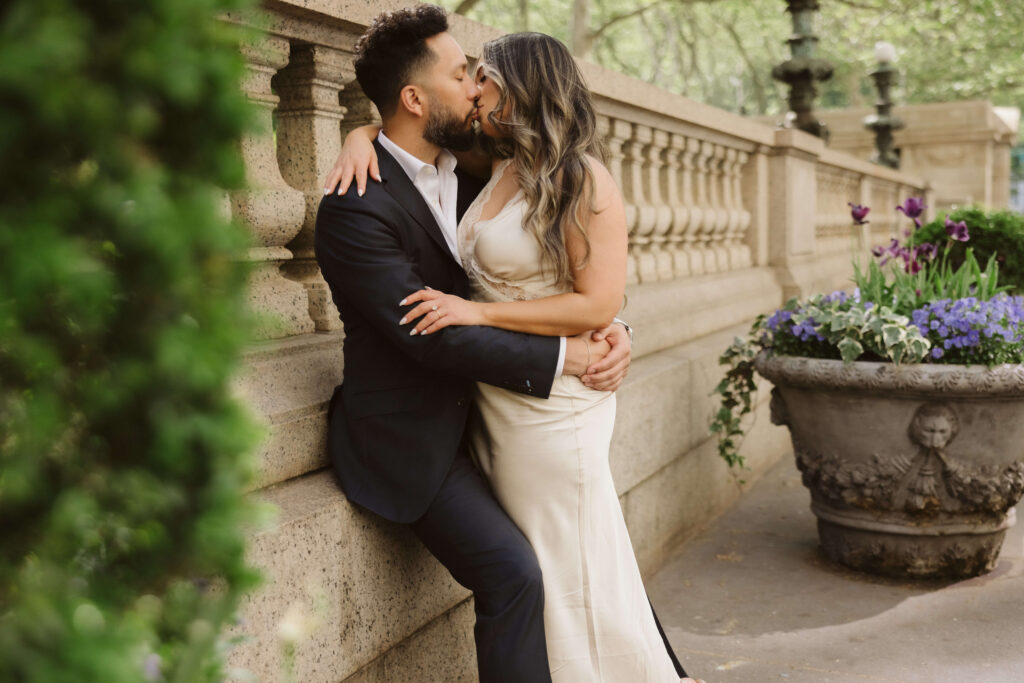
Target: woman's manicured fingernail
(402, 302)
(402, 321)
(377, 178)
(327, 190)
(412, 332)
(361, 192)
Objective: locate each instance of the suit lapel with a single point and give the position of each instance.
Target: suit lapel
(399, 186)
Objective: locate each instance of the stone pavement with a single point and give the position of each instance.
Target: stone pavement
(750, 599)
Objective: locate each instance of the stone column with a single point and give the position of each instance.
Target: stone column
(793, 188)
(739, 217)
(673, 178)
(693, 200)
(708, 215)
(308, 142)
(662, 212)
(272, 209)
(718, 232)
(755, 199)
(639, 213)
(616, 134)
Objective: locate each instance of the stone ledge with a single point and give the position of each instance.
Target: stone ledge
(289, 382)
(368, 583)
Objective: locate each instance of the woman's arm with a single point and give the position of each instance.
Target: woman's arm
(357, 156)
(598, 289)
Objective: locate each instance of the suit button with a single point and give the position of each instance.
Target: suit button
(461, 403)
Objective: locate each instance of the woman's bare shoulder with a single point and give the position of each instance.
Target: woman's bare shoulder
(606, 190)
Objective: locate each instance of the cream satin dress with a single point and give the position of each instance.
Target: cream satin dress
(547, 461)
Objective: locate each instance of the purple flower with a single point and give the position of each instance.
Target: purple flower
(913, 207)
(971, 330)
(957, 231)
(858, 213)
(926, 251)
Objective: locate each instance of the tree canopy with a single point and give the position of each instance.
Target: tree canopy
(721, 51)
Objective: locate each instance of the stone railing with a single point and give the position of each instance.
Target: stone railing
(727, 217)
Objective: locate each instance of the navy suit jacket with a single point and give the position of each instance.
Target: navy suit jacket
(397, 420)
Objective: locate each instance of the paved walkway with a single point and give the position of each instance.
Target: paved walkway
(750, 599)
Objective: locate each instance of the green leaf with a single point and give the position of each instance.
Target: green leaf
(850, 349)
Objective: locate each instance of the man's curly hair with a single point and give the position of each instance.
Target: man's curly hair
(393, 48)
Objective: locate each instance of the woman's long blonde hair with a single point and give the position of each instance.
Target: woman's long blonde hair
(552, 128)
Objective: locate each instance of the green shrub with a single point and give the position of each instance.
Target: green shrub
(122, 317)
(999, 233)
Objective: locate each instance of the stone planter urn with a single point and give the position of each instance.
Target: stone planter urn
(913, 469)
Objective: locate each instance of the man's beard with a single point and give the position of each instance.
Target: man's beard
(446, 129)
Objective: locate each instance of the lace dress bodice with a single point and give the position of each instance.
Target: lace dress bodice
(503, 260)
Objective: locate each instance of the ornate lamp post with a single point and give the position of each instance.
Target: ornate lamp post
(803, 69)
(883, 123)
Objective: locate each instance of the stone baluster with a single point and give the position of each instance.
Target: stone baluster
(615, 133)
(708, 216)
(717, 198)
(729, 208)
(271, 209)
(672, 178)
(692, 199)
(308, 142)
(740, 247)
(642, 216)
(359, 110)
(656, 172)
(730, 202)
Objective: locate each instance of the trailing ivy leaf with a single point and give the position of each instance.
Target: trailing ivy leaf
(850, 349)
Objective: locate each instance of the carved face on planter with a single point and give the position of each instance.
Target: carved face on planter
(934, 425)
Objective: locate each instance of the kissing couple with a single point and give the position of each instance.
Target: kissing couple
(480, 350)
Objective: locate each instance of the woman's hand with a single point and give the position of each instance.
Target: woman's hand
(439, 310)
(357, 156)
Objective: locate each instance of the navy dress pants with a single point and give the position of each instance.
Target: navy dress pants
(468, 531)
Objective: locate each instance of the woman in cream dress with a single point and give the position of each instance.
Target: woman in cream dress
(545, 248)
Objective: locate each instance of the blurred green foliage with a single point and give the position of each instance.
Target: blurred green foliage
(122, 317)
(993, 233)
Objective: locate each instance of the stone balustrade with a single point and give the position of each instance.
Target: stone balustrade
(727, 217)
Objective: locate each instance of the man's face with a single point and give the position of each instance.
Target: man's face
(451, 96)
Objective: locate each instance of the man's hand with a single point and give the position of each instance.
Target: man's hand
(607, 374)
(581, 352)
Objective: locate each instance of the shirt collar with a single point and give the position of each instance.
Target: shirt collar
(410, 164)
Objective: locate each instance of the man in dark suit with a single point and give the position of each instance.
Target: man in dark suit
(396, 423)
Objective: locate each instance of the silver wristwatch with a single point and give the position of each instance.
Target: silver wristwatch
(629, 330)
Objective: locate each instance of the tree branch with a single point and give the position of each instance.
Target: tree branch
(597, 32)
(730, 28)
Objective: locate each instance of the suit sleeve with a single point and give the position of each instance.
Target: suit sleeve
(363, 258)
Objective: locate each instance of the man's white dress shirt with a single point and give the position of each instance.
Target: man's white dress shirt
(440, 190)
